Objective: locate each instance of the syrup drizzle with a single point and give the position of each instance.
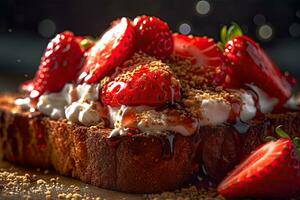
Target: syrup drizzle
(167, 146)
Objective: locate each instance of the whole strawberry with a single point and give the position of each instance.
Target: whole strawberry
(59, 65)
(115, 46)
(149, 84)
(249, 63)
(271, 171)
(154, 36)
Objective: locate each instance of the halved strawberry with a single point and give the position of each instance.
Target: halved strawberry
(272, 171)
(149, 84)
(248, 63)
(115, 46)
(59, 65)
(206, 56)
(154, 36)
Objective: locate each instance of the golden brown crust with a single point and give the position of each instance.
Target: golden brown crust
(131, 164)
(141, 164)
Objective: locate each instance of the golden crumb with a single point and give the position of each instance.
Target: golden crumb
(191, 193)
(40, 182)
(192, 76)
(193, 98)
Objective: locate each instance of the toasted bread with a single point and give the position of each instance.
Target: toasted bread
(140, 163)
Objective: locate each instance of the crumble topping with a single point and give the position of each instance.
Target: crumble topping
(194, 99)
(190, 75)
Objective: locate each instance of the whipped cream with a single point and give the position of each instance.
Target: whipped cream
(25, 104)
(155, 122)
(77, 104)
(266, 103)
(148, 121)
(80, 105)
(214, 112)
(292, 103)
(248, 109)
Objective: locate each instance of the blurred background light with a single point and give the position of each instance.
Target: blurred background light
(265, 32)
(295, 30)
(46, 28)
(27, 26)
(184, 28)
(259, 19)
(203, 7)
(298, 13)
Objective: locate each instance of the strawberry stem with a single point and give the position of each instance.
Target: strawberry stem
(281, 133)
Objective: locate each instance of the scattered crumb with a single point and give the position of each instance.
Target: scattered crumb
(191, 193)
(192, 99)
(16, 185)
(190, 75)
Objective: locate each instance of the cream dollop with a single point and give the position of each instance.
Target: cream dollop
(292, 103)
(147, 120)
(25, 104)
(214, 112)
(266, 102)
(248, 110)
(77, 104)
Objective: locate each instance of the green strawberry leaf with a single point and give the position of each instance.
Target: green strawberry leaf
(223, 35)
(281, 133)
(227, 34)
(296, 141)
(234, 31)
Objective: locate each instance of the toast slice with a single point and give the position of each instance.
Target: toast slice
(139, 163)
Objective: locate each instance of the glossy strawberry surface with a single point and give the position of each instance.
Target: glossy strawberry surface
(142, 85)
(206, 56)
(115, 46)
(59, 65)
(154, 36)
(249, 63)
(272, 171)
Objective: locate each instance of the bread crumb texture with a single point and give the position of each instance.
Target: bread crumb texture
(190, 193)
(15, 184)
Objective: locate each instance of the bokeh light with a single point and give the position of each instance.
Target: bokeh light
(295, 30)
(203, 7)
(265, 32)
(298, 13)
(46, 28)
(259, 19)
(185, 28)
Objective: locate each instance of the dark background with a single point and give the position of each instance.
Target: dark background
(27, 26)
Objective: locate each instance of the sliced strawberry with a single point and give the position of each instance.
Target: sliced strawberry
(115, 46)
(154, 36)
(272, 171)
(150, 84)
(59, 65)
(206, 56)
(248, 63)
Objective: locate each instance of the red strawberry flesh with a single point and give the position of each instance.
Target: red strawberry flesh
(115, 46)
(250, 64)
(154, 36)
(205, 55)
(59, 65)
(268, 172)
(142, 85)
